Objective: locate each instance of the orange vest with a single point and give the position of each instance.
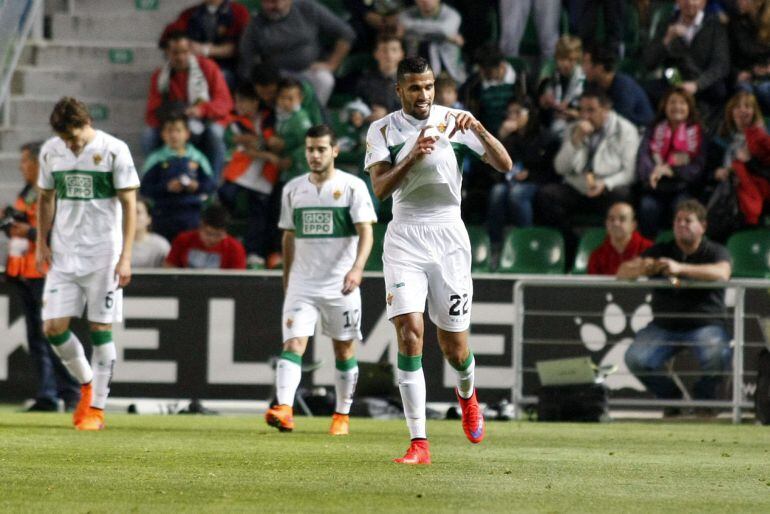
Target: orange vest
(240, 162)
(24, 265)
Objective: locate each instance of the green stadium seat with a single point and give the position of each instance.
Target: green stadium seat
(664, 236)
(533, 250)
(590, 240)
(375, 258)
(750, 250)
(252, 5)
(480, 248)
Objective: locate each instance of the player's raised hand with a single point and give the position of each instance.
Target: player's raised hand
(465, 121)
(352, 280)
(42, 257)
(424, 145)
(123, 272)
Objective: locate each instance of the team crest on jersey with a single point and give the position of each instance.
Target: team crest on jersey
(441, 127)
(337, 193)
(289, 323)
(97, 159)
(389, 299)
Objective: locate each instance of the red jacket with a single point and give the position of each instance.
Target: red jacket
(605, 260)
(187, 251)
(216, 109)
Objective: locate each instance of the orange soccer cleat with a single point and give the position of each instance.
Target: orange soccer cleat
(86, 394)
(340, 424)
(93, 420)
(418, 453)
(473, 419)
(280, 417)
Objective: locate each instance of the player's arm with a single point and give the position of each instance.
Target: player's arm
(127, 199)
(386, 177)
(46, 205)
(287, 246)
(355, 275)
(494, 151)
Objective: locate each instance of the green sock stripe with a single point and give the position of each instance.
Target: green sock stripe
(465, 365)
(60, 339)
(292, 357)
(346, 365)
(409, 363)
(100, 337)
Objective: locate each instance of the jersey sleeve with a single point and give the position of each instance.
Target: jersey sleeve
(45, 177)
(470, 140)
(361, 206)
(376, 146)
(286, 220)
(124, 175)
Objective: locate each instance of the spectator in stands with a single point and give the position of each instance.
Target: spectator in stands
(532, 148)
(597, 160)
(373, 19)
(251, 173)
(194, 85)
(150, 249)
(378, 87)
(351, 135)
(671, 160)
(292, 32)
(747, 154)
(683, 317)
(432, 31)
(584, 17)
(209, 246)
(447, 94)
(176, 179)
(266, 76)
(487, 92)
(214, 28)
(628, 98)
(750, 48)
(54, 383)
(622, 243)
(559, 94)
(291, 124)
(514, 16)
(695, 52)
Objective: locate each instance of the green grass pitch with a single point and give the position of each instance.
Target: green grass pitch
(236, 463)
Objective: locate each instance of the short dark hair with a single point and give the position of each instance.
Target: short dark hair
(603, 57)
(289, 83)
(265, 74)
(172, 35)
(410, 65)
(594, 91)
(246, 90)
(488, 57)
(215, 216)
(388, 37)
(321, 131)
(69, 113)
(445, 82)
(692, 206)
(33, 147)
(173, 116)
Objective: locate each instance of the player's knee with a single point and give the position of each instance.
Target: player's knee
(294, 345)
(99, 327)
(343, 350)
(411, 335)
(55, 327)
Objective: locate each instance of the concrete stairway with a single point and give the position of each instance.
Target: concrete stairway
(101, 51)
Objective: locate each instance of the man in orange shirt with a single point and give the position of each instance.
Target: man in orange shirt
(54, 382)
(622, 243)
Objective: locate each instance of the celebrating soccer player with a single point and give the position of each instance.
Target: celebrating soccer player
(89, 179)
(416, 155)
(327, 217)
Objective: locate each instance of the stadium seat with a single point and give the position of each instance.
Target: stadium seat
(480, 248)
(591, 239)
(252, 5)
(750, 250)
(375, 258)
(664, 236)
(533, 250)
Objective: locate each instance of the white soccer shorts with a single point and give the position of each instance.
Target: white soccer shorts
(67, 293)
(433, 262)
(340, 314)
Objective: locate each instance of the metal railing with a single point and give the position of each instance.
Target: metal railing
(739, 288)
(17, 20)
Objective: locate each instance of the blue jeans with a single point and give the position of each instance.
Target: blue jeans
(211, 142)
(654, 346)
(509, 200)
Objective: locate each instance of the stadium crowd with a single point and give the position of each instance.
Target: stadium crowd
(597, 101)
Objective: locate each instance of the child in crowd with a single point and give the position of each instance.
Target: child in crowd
(352, 135)
(209, 246)
(291, 123)
(177, 178)
(149, 250)
(558, 94)
(252, 171)
(446, 93)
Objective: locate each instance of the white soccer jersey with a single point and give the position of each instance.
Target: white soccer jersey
(325, 237)
(88, 220)
(430, 192)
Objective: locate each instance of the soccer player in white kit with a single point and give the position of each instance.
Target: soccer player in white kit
(89, 178)
(326, 217)
(416, 155)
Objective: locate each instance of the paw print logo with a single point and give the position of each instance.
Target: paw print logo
(616, 329)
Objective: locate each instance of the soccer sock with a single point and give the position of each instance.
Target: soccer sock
(103, 361)
(288, 373)
(345, 378)
(70, 351)
(465, 376)
(411, 383)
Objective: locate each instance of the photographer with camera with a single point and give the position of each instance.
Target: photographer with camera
(19, 222)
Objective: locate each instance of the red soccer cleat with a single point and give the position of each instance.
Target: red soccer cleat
(280, 417)
(86, 394)
(473, 419)
(418, 453)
